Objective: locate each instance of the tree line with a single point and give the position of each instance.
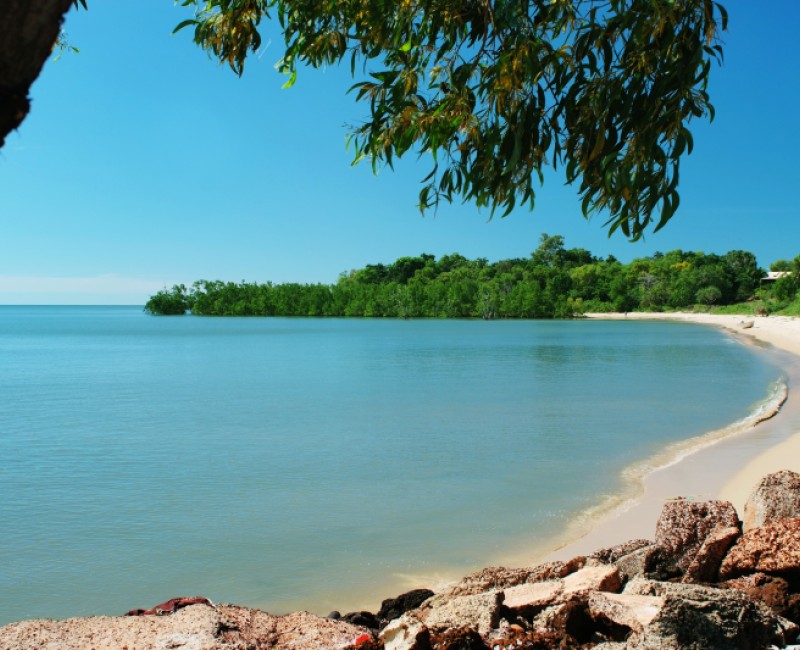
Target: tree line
(554, 282)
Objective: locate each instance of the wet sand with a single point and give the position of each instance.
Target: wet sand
(727, 469)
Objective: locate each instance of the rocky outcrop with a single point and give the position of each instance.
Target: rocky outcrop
(701, 584)
(198, 627)
(776, 497)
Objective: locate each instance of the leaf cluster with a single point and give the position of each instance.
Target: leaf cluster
(497, 90)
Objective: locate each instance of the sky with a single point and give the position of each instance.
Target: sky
(144, 163)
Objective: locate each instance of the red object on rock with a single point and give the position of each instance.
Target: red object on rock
(171, 606)
(364, 638)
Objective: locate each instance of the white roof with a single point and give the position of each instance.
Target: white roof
(774, 275)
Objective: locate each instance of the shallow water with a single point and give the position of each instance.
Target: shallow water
(289, 463)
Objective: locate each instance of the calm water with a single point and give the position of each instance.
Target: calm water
(293, 463)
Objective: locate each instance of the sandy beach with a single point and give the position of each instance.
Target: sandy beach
(727, 468)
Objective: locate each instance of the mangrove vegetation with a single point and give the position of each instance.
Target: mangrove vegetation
(554, 282)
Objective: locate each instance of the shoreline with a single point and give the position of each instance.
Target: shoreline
(722, 464)
(726, 468)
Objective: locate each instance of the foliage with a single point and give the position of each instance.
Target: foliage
(781, 266)
(175, 301)
(708, 295)
(62, 43)
(553, 282)
(792, 309)
(497, 91)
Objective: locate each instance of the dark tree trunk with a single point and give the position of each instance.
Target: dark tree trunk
(28, 31)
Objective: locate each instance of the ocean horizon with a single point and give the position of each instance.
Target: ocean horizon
(306, 463)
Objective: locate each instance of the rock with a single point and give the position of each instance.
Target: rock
(362, 619)
(777, 496)
(501, 577)
(593, 578)
(597, 617)
(650, 562)
(488, 579)
(705, 566)
(516, 638)
(573, 621)
(480, 612)
(773, 548)
(461, 638)
(612, 554)
(628, 610)
(695, 617)
(770, 590)
(553, 570)
(525, 599)
(684, 526)
(198, 627)
(393, 608)
(406, 633)
(244, 627)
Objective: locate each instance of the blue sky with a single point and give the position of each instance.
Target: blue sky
(144, 164)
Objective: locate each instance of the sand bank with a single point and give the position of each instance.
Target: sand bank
(728, 468)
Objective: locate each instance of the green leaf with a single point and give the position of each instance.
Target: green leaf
(290, 82)
(185, 23)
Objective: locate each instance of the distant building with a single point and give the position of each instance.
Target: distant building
(771, 276)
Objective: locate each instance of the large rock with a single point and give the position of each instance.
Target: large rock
(226, 627)
(406, 633)
(695, 617)
(576, 622)
(480, 612)
(458, 638)
(593, 578)
(514, 637)
(649, 562)
(612, 554)
(777, 496)
(362, 619)
(705, 565)
(252, 628)
(393, 608)
(773, 549)
(684, 526)
(773, 591)
(501, 577)
(628, 610)
(592, 617)
(526, 599)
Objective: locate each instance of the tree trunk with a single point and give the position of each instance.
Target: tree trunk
(28, 31)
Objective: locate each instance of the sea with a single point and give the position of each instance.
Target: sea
(321, 463)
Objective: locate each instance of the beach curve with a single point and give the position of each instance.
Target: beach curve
(720, 467)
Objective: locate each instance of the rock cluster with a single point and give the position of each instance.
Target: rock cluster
(701, 584)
